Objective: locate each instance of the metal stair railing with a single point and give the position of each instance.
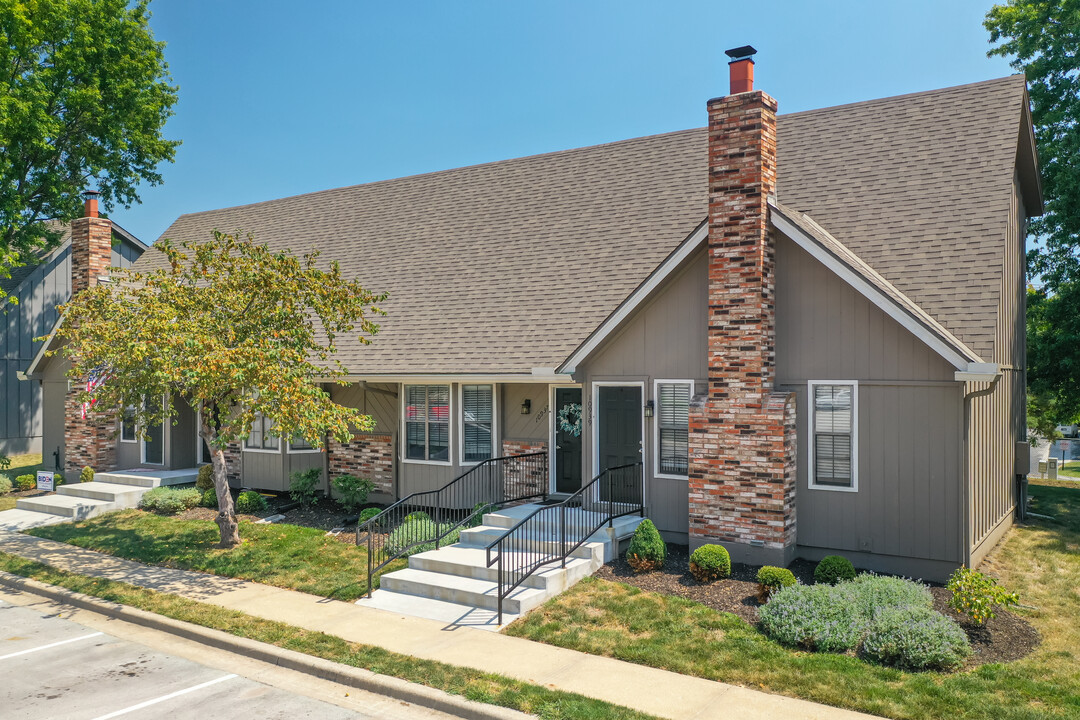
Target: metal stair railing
(488, 485)
(550, 534)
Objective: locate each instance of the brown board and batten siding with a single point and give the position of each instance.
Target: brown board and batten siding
(998, 418)
(906, 515)
(665, 339)
(513, 425)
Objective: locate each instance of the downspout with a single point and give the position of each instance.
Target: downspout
(969, 377)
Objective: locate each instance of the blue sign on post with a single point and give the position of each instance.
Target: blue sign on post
(45, 480)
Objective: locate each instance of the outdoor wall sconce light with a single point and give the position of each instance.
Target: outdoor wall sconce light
(526, 406)
(649, 407)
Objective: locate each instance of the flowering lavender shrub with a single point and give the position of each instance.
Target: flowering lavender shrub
(812, 617)
(916, 638)
(891, 620)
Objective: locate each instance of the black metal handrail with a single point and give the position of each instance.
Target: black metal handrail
(484, 487)
(552, 533)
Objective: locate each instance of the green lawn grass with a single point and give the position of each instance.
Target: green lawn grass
(472, 684)
(1041, 561)
(24, 465)
(287, 556)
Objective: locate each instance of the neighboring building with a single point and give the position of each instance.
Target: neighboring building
(39, 287)
(808, 328)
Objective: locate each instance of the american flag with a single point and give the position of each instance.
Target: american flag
(94, 380)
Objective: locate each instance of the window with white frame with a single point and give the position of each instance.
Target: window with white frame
(833, 443)
(427, 422)
(299, 444)
(260, 437)
(477, 422)
(127, 426)
(673, 427)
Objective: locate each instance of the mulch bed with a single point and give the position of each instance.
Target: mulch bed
(1004, 638)
(325, 515)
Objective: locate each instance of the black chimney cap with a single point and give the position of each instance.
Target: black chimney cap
(746, 52)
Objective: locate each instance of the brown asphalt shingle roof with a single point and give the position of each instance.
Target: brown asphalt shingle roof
(508, 266)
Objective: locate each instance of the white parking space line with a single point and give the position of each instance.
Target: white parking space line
(50, 645)
(163, 698)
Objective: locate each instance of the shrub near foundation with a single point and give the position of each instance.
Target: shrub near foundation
(833, 569)
(205, 480)
(86, 474)
(647, 550)
(915, 638)
(709, 563)
(25, 482)
(5, 485)
(170, 501)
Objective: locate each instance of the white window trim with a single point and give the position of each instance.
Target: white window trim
(303, 451)
(656, 428)
(136, 428)
(810, 484)
(594, 420)
(494, 423)
(449, 428)
(552, 436)
(262, 451)
(164, 440)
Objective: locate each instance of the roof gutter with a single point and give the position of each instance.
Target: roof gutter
(978, 372)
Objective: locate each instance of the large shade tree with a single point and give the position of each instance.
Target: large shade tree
(84, 96)
(229, 326)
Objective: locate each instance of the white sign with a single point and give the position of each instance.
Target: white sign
(45, 480)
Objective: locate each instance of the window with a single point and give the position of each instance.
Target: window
(477, 422)
(427, 422)
(833, 445)
(299, 444)
(260, 437)
(673, 427)
(127, 426)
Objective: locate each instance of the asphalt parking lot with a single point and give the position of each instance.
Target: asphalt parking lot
(56, 668)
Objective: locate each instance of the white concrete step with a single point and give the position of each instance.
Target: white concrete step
(450, 613)
(471, 562)
(18, 520)
(482, 535)
(149, 478)
(460, 590)
(122, 496)
(66, 506)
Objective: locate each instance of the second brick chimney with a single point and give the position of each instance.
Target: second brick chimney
(91, 245)
(742, 433)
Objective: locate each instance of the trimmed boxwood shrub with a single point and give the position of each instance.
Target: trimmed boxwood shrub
(205, 480)
(709, 563)
(5, 485)
(774, 578)
(170, 501)
(209, 499)
(86, 474)
(915, 638)
(26, 482)
(250, 502)
(833, 569)
(417, 536)
(647, 550)
(368, 513)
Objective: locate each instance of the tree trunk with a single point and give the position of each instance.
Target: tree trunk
(226, 517)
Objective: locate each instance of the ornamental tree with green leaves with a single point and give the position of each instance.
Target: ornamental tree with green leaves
(1042, 37)
(231, 327)
(84, 95)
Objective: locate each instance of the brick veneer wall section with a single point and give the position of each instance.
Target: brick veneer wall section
(742, 437)
(86, 442)
(367, 456)
(535, 474)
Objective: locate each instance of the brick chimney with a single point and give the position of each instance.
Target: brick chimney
(90, 440)
(91, 245)
(742, 432)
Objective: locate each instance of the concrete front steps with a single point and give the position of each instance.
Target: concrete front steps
(108, 491)
(454, 584)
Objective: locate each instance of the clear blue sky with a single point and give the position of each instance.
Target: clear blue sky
(280, 98)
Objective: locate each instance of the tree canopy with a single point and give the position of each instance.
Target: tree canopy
(229, 326)
(1053, 352)
(84, 95)
(1042, 37)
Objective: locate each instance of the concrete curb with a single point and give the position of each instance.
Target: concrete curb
(290, 659)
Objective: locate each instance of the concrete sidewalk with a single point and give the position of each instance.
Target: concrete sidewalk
(657, 692)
